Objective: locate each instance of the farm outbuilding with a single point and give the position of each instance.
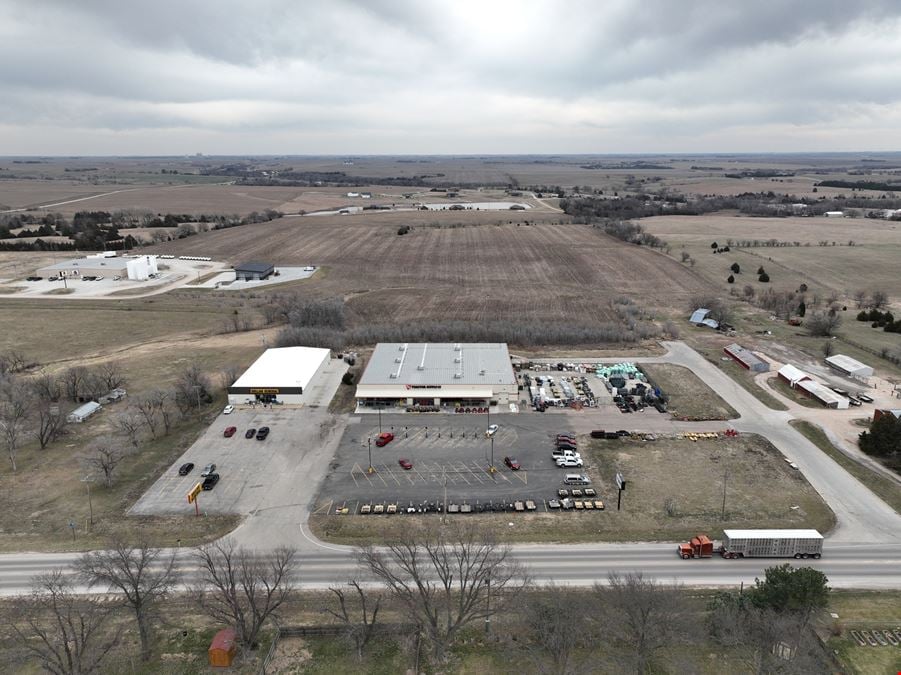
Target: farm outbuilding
(792, 375)
(850, 367)
(81, 413)
(254, 271)
(884, 412)
(700, 318)
(438, 375)
(280, 375)
(823, 394)
(746, 358)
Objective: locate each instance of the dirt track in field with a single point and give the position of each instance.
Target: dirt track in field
(477, 272)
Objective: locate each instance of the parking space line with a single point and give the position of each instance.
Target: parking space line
(523, 476)
(476, 473)
(460, 472)
(390, 473)
(420, 475)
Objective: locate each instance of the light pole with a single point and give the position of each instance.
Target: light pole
(87, 480)
(379, 408)
(491, 468)
(369, 447)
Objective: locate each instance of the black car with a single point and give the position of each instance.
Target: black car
(210, 481)
(250, 433)
(33, 278)
(185, 468)
(262, 433)
(566, 446)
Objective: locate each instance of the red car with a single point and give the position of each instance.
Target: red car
(512, 462)
(384, 439)
(405, 464)
(230, 431)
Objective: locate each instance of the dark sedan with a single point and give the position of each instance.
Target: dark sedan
(185, 468)
(262, 432)
(210, 481)
(250, 433)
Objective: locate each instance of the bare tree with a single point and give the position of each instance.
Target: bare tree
(358, 630)
(148, 410)
(243, 588)
(641, 617)
(445, 580)
(110, 375)
(129, 423)
(823, 324)
(47, 387)
(67, 633)
(878, 299)
(49, 422)
(15, 408)
(12, 361)
(860, 298)
(144, 576)
(104, 458)
(73, 381)
(192, 389)
(548, 621)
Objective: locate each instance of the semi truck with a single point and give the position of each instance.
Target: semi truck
(757, 544)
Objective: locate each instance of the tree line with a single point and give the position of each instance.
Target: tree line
(444, 584)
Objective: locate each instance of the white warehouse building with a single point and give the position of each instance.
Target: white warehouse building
(280, 375)
(449, 375)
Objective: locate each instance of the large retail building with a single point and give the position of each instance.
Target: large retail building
(447, 375)
(280, 375)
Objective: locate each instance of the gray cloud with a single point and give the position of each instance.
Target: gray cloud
(222, 76)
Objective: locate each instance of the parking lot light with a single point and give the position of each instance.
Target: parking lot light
(369, 446)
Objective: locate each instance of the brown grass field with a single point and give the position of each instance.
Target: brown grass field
(870, 263)
(483, 271)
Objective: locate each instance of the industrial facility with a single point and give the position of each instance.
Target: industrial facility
(438, 376)
(280, 375)
(137, 268)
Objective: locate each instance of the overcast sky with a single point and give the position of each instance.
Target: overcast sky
(419, 76)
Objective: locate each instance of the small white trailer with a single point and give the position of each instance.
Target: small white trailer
(772, 544)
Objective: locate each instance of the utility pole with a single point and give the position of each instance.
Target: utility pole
(379, 408)
(444, 505)
(369, 446)
(491, 468)
(87, 480)
(725, 478)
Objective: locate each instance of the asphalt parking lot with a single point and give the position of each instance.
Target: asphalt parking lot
(247, 467)
(450, 451)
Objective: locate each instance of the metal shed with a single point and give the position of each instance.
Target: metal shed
(848, 366)
(253, 271)
(746, 358)
(82, 413)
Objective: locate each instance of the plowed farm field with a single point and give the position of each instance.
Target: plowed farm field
(474, 272)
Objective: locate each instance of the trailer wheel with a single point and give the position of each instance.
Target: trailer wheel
(804, 555)
(797, 556)
(816, 556)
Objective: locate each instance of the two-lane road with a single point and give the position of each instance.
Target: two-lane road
(846, 566)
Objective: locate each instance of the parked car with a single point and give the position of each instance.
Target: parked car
(560, 452)
(492, 429)
(98, 277)
(597, 433)
(229, 409)
(853, 401)
(230, 431)
(568, 462)
(384, 439)
(576, 479)
(563, 445)
(116, 278)
(207, 470)
(566, 437)
(185, 468)
(33, 278)
(250, 433)
(405, 464)
(210, 481)
(864, 398)
(622, 432)
(53, 278)
(262, 433)
(513, 463)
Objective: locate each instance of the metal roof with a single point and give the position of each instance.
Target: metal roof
(792, 374)
(824, 395)
(89, 263)
(699, 315)
(283, 367)
(258, 267)
(87, 409)
(768, 534)
(848, 365)
(435, 363)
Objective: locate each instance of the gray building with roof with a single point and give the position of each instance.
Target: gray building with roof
(253, 271)
(448, 375)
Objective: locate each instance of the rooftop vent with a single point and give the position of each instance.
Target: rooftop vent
(398, 360)
(402, 348)
(393, 376)
(457, 347)
(481, 372)
(458, 376)
(458, 359)
(420, 367)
